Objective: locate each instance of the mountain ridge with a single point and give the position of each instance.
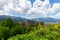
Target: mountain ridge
(47, 19)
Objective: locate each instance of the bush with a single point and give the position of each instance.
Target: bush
(8, 23)
(4, 33)
(45, 34)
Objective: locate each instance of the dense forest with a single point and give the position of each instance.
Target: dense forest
(11, 30)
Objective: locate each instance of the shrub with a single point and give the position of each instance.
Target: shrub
(4, 33)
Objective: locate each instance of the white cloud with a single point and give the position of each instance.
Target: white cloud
(57, 16)
(39, 9)
(1, 0)
(54, 10)
(23, 6)
(4, 13)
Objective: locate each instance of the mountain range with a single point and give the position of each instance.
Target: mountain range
(47, 19)
(4, 17)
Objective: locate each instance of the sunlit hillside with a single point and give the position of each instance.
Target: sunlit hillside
(10, 30)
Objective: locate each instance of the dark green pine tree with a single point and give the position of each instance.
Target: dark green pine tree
(9, 23)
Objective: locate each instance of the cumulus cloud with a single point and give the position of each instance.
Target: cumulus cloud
(20, 6)
(4, 13)
(44, 9)
(39, 8)
(57, 16)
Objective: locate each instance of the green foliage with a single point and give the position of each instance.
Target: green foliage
(8, 23)
(4, 32)
(16, 30)
(37, 35)
(10, 30)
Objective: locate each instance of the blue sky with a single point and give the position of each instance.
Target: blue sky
(54, 1)
(30, 8)
(51, 1)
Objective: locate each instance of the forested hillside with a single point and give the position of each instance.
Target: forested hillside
(10, 30)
